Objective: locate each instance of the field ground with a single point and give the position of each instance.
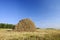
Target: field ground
(40, 34)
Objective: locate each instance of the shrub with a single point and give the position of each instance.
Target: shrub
(10, 26)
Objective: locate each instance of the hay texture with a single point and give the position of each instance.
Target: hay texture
(25, 25)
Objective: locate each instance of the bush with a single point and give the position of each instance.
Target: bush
(10, 26)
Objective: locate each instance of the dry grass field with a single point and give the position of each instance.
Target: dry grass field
(40, 34)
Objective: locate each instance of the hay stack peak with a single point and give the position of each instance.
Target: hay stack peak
(25, 25)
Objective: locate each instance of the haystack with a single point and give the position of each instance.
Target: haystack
(25, 25)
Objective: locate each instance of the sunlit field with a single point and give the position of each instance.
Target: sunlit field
(39, 34)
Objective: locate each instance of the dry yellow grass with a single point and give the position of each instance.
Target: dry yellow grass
(8, 34)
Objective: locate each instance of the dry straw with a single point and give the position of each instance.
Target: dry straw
(25, 25)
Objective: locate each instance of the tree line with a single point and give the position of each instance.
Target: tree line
(10, 26)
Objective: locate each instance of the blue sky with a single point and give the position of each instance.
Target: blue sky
(44, 13)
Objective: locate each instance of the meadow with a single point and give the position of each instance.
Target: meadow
(39, 34)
